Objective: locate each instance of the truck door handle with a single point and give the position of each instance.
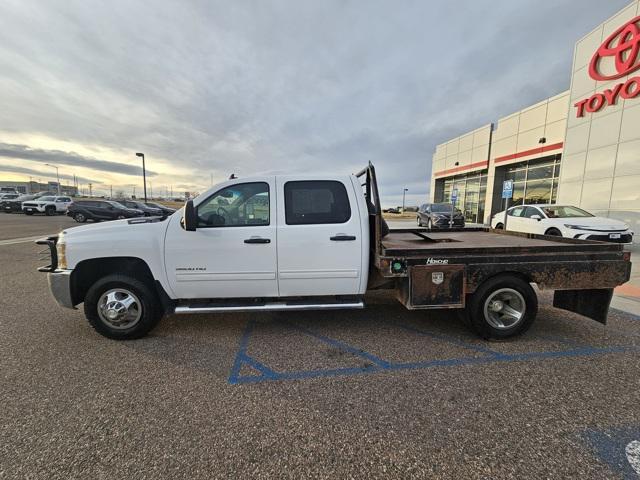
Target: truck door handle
(342, 238)
(257, 240)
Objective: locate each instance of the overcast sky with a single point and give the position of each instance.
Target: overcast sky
(210, 88)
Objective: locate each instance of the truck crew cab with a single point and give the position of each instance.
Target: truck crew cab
(317, 242)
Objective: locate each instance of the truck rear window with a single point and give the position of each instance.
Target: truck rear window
(316, 202)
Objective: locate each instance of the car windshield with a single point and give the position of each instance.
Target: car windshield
(116, 204)
(441, 207)
(565, 211)
(153, 205)
(47, 199)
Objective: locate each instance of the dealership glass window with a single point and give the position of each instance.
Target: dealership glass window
(472, 189)
(535, 181)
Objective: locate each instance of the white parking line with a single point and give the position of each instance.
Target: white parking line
(13, 241)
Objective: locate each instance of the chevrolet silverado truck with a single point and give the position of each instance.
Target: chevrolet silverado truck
(317, 243)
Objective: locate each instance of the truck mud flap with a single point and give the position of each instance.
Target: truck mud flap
(593, 303)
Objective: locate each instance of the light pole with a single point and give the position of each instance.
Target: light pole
(144, 175)
(57, 175)
(404, 192)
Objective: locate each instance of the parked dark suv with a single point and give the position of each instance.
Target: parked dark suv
(166, 210)
(148, 211)
(96, 210)
(438, 215)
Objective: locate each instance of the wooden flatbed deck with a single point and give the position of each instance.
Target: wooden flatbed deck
(422, 242)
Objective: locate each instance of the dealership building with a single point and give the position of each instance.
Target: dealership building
(580, 147)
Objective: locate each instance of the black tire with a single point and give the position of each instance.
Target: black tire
(479, 318)
(429, 224)
(50, 211)
(28, 213)
(419, 222)
(151, 312)
(499, 226)
(554, 232)
(79, 217)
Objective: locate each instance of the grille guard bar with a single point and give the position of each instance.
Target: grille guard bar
(50, 242)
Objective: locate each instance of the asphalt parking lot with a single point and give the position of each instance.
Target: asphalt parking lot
(377, 393)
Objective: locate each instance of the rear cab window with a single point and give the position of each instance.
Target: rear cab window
(312, 202)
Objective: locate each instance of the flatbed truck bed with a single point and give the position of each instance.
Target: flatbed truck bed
(485, 272)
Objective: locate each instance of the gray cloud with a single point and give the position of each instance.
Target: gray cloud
(68, 158)
(39, 174)
(249, 87)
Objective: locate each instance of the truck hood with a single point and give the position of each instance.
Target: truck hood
(113, 228)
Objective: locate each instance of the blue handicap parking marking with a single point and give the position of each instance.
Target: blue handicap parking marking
(248, 369)
(619, 448)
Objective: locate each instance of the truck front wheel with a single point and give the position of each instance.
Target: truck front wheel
(122, 308)
(502, 307)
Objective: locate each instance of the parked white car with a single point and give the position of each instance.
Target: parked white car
(48, 205)
(564, 221)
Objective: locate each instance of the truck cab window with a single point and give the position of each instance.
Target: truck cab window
(241, 205)
(316, 202)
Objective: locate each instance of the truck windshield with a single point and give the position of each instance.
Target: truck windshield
(441, 207)
(563, 211)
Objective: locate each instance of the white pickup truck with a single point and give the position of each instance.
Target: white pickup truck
(316, 242)
(49, 205)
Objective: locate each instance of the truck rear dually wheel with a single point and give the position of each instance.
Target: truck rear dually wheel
(503, 306)
(122, 307)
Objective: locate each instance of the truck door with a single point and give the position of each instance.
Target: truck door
(319, 237)
(232, 253)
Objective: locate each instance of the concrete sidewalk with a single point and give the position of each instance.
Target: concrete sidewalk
(627, 296)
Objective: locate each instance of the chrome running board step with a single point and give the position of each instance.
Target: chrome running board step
(268, 307)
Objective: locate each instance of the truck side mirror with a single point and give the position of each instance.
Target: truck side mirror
(190, 219)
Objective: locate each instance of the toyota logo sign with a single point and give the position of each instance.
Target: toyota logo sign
(624, 46)
(620, 55)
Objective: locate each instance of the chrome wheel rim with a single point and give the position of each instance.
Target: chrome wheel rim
(119, 308)
(505, 308)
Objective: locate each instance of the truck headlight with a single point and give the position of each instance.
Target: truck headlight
(61, 250)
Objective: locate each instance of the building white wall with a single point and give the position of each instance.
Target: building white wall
(469, 151)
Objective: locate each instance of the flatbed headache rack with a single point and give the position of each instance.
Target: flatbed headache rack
(440, 269)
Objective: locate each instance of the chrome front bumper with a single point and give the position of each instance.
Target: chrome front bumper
(60, 286)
